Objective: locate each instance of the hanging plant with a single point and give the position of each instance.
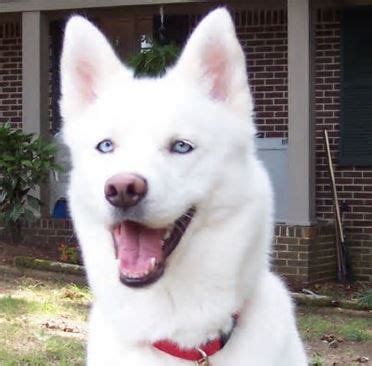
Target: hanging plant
(155, 60)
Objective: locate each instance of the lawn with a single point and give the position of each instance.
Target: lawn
(43, 322)
(335, 337)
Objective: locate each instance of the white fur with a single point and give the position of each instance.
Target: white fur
(221, 265)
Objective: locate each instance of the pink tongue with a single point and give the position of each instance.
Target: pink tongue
(137, 245)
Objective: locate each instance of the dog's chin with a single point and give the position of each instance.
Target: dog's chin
(142, 251)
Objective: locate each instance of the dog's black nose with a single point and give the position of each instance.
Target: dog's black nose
(125, 190)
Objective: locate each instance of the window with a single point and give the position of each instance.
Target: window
(56, 35)
(356, 87)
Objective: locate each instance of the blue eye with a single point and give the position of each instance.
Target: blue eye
(181, 147)
(105, 146)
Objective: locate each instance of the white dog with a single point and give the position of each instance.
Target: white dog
(172, 208)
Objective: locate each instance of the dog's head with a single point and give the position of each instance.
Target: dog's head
(152, 156)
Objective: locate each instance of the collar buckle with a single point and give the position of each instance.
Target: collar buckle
(204, 360)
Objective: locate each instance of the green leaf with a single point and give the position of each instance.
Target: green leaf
(3, 195)
(16, 213)
(25, 162)
(8, 158)
(33, 202)
(28, 215)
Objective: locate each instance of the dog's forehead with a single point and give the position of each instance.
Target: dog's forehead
(162, 109)
(154, 103)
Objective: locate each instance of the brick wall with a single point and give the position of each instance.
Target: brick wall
(354, 185)
(305, 254)
(11, 74)
(263, 35)
(49, 232)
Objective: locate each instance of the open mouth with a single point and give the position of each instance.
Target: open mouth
(142, 251)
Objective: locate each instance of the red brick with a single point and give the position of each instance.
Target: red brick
(10, 66)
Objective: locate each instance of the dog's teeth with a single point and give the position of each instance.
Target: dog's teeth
(134, 275)
(152, 264)
(167, 235)
(142, 274)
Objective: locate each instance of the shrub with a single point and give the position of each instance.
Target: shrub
(25, 162)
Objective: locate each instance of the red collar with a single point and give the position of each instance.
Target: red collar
(196, 354)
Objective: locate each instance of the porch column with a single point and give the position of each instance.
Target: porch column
(301, 155)
(35, 80)
(35, 73)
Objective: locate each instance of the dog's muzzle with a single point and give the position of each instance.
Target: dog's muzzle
(141, 250)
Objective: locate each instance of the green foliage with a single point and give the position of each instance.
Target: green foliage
(25, 162)
(154, 61)
(365, 301)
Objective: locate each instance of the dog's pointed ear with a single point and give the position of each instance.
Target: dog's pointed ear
(88, 62)
(214, 59)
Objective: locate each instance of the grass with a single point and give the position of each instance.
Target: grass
(49, 351)
(314, 326)
(365, 300)
(317, 361)
(42, 323)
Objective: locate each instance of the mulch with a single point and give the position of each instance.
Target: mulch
(333, 289)
(340, 291)
(9, 251)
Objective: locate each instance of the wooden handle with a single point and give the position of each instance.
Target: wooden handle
(334, 191)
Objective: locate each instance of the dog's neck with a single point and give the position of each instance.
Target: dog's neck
(198, 354)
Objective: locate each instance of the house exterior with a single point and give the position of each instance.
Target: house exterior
(300, 60)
